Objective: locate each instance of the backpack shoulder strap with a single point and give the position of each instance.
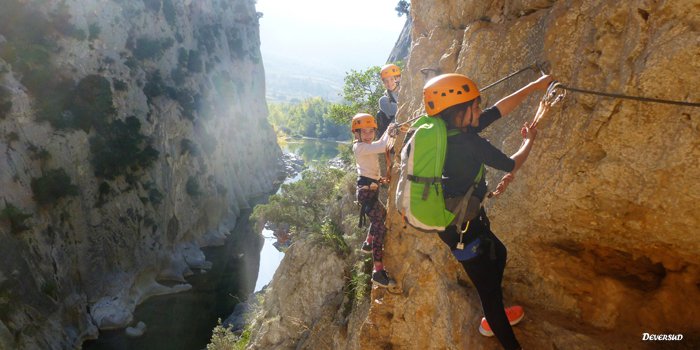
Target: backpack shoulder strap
(452, 132)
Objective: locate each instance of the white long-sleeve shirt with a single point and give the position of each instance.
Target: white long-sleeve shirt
(366, 157)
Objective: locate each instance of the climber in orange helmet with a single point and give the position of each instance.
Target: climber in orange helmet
(366, 152)
(456, 99)
(388, 104)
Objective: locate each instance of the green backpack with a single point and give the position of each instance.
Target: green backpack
(419, 196)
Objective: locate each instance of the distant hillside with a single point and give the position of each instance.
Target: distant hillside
(287, 79)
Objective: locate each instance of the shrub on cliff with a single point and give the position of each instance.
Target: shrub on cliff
(5, 102)
(121, 149)
(52, 186)
(192, 187)
(222, 338)
(304, 205)
(151, 49)
(91, 103)
(83, 106)
(331, 236)
(15, 217)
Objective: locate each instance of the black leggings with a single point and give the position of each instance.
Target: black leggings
(487, 274)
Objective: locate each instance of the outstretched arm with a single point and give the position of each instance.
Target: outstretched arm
(510, 102)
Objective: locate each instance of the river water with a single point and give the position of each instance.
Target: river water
(312, 152)
(184, 321)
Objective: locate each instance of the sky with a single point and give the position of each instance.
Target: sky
(342, 35)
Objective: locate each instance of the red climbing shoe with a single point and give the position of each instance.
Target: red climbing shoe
(515, 315)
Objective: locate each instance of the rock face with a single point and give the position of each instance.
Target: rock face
(132, 134)
(402, 47)
(601, 222)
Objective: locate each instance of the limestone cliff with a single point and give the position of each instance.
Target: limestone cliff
(602, 221)
(132, 133)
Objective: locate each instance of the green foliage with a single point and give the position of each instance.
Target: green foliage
(5, 102)
(151, 49)
(194, 62)
(50, 288)
(403, 8)
(189, 101)
(120, 85)
(178, 75)
(169, 12)
(358, 285)
(94, 30)
(155, 196)
(207, 36)
(361, 93)
(61, 23)
(16, 217)
(12, 137)
(152, 5)
(303, 204)
(222, 338)
(132, 63)
(7, 301)
(52, 186)
(91, 103)
(155, 86)
(183, 57)
(28, 49)
(330, 236)
(87, 105)
(235, 44)
(192, 187)
(346, 156)
(103, 192)
(307, 118)
(189, 147)
(121, 149)
(40, 154)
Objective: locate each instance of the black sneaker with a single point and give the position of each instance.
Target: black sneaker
(381, 279)
(366, 247)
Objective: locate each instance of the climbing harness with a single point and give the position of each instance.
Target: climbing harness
(466, 207)
(367, 184)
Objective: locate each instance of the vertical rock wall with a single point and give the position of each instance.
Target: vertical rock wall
(602, 221)
(132, 133)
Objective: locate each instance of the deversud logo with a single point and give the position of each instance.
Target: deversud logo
(662, 337)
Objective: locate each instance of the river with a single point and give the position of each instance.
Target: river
(184, 321)
(313, 152)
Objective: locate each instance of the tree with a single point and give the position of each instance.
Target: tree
(403, 7)
(361, 93)
(308, 118)
(303, 205)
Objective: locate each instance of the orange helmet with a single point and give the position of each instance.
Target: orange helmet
(363, 120)
(447, 90)
(390, 70)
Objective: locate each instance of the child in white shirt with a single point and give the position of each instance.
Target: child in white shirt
(366, 152)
